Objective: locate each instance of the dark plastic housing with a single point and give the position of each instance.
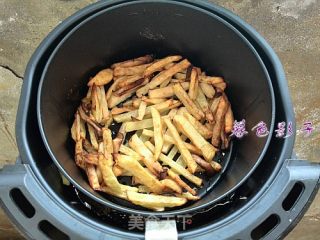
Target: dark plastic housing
(266, 190)
(167, 27)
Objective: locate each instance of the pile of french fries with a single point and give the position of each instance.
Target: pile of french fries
(179, 118)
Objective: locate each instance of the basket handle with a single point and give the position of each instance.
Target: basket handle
(40, 215)
(269, 215)
(276, 210)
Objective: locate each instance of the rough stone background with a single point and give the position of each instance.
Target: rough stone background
(290, 26)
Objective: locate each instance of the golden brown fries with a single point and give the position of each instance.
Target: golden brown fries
(181, 162)
(114, 100)
(123, 94)
(118, 140)
(157, 66)
(108, 190)
(117, 171)
(161, 107)
(205, 165)
(207, 89)
(88, 147)
(172, 113)
(219, 121)
(119, 110)
(169, 65)
(188, 196)
(187, 102)
(93, 137)
(102, 78)
(121, 194)
(104, 105)
(126, 80)
(133, 62)
(99, 175)
(220, 86)
(91, 158)
(112, 88)
(107, 141)
(131, 86)
(228, 121)
(165, 83)
(109, 178)
(181, 146)
(176, 167)
(172, 185)
(204, 105)
(180, 76)
(193, 89)
(158, 132)
(141, 110)
(155, 201)
(88, 120)
(105, 165)
(216, 166)
(211, 80)
(170, 140)
(181, 183)
(151, 101)
(137, 145)
(127, 71)
(128, 151)
(142, 91)
(79, 156)
(75, 129)
(133, 166)
(143, 189)
(214, 105)
(166, 92)
(224, 139)
(167, 145)
(208, 151)
(92, 176)
(203, 130)
(96, 104)
(162, 76)
(150, 121)
(137, 125)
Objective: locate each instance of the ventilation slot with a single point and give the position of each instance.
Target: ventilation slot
(22, 202)
(265, 227)
(51, 231)
(293, 196)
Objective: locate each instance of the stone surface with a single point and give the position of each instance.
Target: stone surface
(307, 229)
(290, 26)
(10, 87)
(7, 229)
(23, 24)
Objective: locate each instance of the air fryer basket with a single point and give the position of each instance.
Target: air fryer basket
(157, 28)
(53, 215)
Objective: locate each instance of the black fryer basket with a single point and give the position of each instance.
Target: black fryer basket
(265, 210)
(61, 86)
